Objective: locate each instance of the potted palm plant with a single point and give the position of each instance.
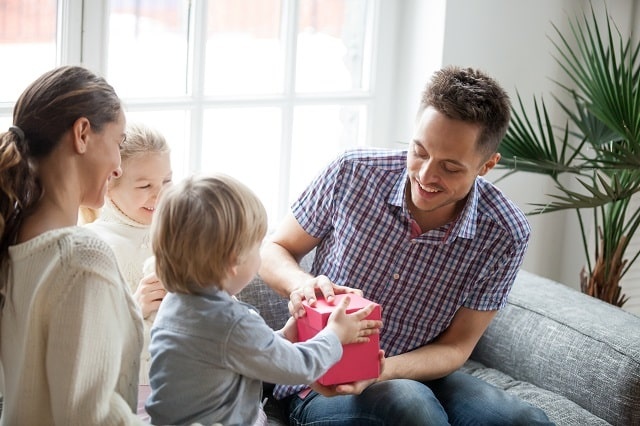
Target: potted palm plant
(594, 156)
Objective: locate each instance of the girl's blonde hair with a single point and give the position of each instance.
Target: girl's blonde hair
(140, 140)
(201, 228)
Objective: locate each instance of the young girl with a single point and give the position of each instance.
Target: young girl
(124, 220)
(71, 334)
(209, 351)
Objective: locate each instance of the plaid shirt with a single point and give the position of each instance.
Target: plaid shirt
(370, 241)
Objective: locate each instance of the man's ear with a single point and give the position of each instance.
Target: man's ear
(489, 164)
(80, 132)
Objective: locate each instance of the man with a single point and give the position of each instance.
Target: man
(423, 234)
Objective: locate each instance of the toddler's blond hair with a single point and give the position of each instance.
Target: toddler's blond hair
(202, 226)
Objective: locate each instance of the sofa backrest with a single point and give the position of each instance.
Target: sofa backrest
(549, 335)
(567, 342)
(272, 307)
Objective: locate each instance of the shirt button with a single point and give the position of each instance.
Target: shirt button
(396, 276)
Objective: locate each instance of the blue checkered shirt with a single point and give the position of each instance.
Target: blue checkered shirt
(369, 241)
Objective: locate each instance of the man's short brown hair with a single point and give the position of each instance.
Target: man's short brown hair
(471, 96)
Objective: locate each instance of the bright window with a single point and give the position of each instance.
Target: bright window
(265, 90)
(27, 48)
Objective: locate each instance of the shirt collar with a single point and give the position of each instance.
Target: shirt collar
(466, 224)
(396, 196)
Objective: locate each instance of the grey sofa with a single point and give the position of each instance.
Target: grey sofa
(574, 356)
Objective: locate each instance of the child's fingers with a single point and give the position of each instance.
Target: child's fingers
(344, 304)
(341, 308)
(370, 327)
(364, 312)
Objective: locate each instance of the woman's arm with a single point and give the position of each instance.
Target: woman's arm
(92, 350)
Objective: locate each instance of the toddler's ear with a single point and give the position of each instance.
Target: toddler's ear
(234, 262)
(233, 270)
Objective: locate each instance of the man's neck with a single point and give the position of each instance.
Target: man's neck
(434, 219)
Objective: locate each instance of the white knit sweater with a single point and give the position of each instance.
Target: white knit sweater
(131, 244)
(129, 240)
(70, 334)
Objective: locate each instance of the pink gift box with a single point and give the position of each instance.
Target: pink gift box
(359, 360)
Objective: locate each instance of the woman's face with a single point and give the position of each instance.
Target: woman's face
(143, 178)
(102, 161)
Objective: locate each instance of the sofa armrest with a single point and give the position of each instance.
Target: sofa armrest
(567, 342)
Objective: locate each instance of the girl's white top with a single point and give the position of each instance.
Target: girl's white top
(131, 244)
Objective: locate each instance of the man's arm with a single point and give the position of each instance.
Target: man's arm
(280, 267)
(432, 361)
(445, 354)
(281, 254)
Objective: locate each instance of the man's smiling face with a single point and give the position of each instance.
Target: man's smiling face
(443, 162)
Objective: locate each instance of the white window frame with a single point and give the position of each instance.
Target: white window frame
(83, 38)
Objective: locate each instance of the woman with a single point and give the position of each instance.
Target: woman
(71, 334)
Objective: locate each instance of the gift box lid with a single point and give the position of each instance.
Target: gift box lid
(318, 315)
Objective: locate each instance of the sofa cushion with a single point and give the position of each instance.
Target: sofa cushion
(577, 353)
(569, 343)
(559, 409)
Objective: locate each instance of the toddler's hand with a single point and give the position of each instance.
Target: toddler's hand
(149, 294)
(353, 328)
(290, 330)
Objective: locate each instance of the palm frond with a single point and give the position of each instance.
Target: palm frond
(599, 143)
(602, 191)
(531, 148)
(605, 74)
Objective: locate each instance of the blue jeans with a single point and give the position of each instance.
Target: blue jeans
(457, 399)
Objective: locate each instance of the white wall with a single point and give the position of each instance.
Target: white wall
(509, 40)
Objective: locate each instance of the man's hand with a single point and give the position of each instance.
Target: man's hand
(149, 294)
(308, 291)
(355, 388)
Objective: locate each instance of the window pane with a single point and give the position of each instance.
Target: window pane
(332, 52)
(320, 133)
(244, 49)
(148, 47)
(5, 122)
(245, 143)
(174, 125)
(27, 43)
